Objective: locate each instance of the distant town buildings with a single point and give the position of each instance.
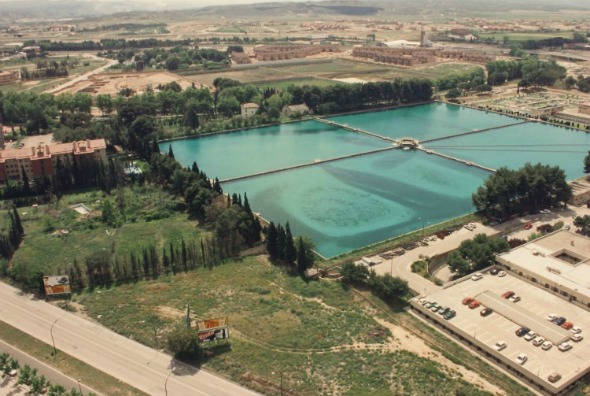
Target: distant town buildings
(41, 160)
(283, 52)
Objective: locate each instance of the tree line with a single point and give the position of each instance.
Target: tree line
(283, 249)
(476, 254)
(530, 188)
(104, 44)
(11, 238)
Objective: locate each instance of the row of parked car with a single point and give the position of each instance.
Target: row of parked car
(561, 321)
(446, 312)
(472, 304)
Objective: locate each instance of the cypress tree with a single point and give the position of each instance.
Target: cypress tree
(271, 241)
(302, 263)
(170, 152)
(184, 256)
(281, 237)
(290, 250)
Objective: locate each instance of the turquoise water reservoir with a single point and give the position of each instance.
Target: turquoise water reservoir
(256, 150)
(424, 121)
(514, 146)
(351, 203)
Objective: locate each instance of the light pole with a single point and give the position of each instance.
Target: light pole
(166, 382)
(80, 385)
(52, 339)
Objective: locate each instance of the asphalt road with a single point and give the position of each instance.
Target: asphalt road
(402, 265)
(133, 363)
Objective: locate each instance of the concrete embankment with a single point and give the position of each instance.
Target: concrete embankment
(317, 162)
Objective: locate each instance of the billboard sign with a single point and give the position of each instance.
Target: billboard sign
(56, 285)
(208, 324)
(212, 329)
(213, 335)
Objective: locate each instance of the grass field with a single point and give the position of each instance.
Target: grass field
(68, 365)
(48, 252)
(316, 333)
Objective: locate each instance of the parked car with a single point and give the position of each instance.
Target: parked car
(474, 304)
(559, 321)
(428, 304)
(554, 377)
(577, 337)
(467, 300)
(522, 331)
(564, 346)
(547, 345)
(501, 274)
(530, 335)
(494, 271)
(528, 226)
(443, 310)
(515, 298)
(576, 330)
(521, 358)
(449, 315)
(498, 346)
(476, 276)
(538, 341)
(551, 317)
(434, 307)
(508, 294)
(486, 311)
(567, 325)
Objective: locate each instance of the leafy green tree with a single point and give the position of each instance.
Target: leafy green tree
(354, 274)
(183, 344)
(453, 93)
(570, 82)
(476, 253)
(105, 104)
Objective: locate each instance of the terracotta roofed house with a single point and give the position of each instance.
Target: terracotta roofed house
(41, 160)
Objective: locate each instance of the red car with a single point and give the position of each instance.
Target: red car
(567, 325)
(474, 304)
(508, 294)
(467, 300)
(528, 226)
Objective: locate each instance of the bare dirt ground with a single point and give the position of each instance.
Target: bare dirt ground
(138, 81)
(34, 141)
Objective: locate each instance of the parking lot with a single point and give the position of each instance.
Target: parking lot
(531, 311)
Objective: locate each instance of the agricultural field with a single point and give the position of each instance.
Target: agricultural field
(325, 73)
(321, 335)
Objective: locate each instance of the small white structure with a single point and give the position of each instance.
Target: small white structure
(248, 109)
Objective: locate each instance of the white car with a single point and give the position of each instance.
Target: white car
(547, 345)
(577, 337)
(538, 341)
(565, 346)
(476, 276)
(498, 346)
(501, 274)
(515, 298)
(551, 317)
(576, 330)
(530, 335)
(522, 358)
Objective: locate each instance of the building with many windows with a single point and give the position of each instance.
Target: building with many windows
(41, 160)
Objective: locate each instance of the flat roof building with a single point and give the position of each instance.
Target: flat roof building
(558, 262)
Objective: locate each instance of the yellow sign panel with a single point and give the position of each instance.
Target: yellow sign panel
(211, 323)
